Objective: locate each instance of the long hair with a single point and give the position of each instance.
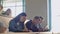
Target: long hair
(17, 18)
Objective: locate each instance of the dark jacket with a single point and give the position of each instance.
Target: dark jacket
(31, 26)
(14, 27)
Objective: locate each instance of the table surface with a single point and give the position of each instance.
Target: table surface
(27, 33)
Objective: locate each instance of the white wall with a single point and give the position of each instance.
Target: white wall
(55, 9)
(37, 8)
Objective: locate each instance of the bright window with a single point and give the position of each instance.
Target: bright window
(16, 6)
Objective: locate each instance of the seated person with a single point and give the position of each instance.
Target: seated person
(7, 12)
(17, 24)
(38, 25)
(34, 25)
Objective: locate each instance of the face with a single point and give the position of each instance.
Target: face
(36, 21)
(41, 20)
(22, 18)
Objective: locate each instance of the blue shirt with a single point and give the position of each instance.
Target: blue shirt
(31, 26)
(16, 27)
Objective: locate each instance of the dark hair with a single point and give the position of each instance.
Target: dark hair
(23, 14)
(41, 17)
(1, 6)
(17, 18)
(8, 11)
(36, 17)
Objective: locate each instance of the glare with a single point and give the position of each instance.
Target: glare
(16, 6)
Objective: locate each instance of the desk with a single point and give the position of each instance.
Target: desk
(28, 33)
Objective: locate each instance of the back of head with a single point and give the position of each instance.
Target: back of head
(23, 14)
(36, 17)
(17, 18)
(8, 12)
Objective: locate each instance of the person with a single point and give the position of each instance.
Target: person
(40, 29)
(32, 24)
(39, 26)
(7, 12)
(17, 24)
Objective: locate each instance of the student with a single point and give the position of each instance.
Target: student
(7, 12)
(32, 24)
(40, 29)
(17, 24)
(39, 26)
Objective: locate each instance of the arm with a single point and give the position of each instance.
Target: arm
(28, 26)
(12, 26)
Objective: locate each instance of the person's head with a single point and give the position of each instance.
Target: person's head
(23, 17)
(1, 7)
(8, 11)
(36, 19)
(41, 19)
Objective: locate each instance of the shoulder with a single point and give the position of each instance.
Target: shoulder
(11, 22)
(29, 22)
